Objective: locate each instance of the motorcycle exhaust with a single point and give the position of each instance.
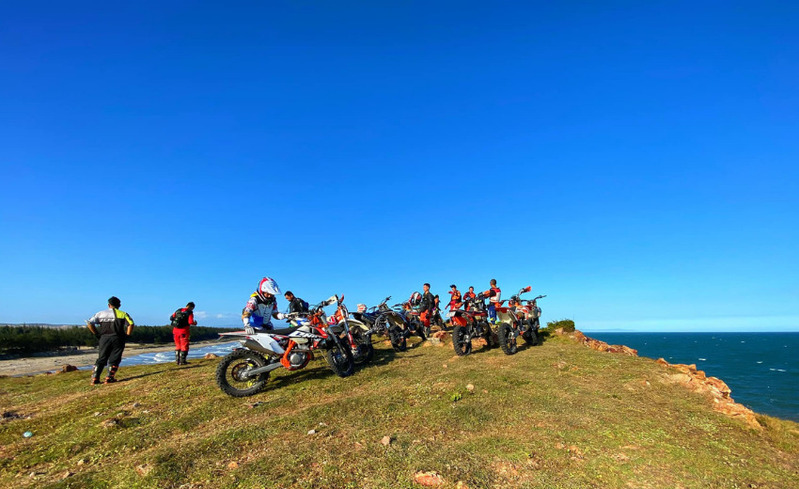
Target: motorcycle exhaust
(260, 370)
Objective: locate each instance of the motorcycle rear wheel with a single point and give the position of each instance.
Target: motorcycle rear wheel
(340, 360)
(460, 341)
(230, 369)
(506, 339)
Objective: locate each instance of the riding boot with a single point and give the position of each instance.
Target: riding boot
(96, 375)
(112, 370)
(183, 355)
(177, 357)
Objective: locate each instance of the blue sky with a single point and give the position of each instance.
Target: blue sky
(635, 161)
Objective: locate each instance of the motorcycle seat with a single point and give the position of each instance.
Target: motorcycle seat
(284, 331)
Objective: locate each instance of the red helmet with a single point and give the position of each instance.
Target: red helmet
(416, 299)
(267, 286)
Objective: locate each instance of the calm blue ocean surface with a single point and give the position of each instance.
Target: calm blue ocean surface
(762, 369)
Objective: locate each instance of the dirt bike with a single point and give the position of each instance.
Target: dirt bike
(358, 333)
(529, 314)
(470, 323)
(517, 319)
(245, 371)
(389, 322)
(413, 320)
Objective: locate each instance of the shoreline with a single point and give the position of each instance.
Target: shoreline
(45, 362)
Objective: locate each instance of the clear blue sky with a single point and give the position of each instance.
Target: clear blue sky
(635, 161)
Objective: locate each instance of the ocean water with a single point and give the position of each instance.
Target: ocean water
(221, 349)
(762, 369)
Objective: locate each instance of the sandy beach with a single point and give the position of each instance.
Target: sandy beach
(51, 362)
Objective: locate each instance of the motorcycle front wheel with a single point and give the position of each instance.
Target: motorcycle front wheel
(487, 334)
(506, 339)
(340, 359)
(460, 341)
(230, 374)
(530, 336)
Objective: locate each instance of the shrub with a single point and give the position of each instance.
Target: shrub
(566, 324)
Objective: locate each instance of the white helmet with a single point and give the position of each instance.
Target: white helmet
(267, 286)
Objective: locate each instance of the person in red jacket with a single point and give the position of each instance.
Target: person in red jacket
(469, 296)
(181, 320)
(455, 299)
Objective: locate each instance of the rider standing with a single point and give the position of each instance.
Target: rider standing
(182, 319)
(261, 307)
(112, 326)
(455, 298)
(469, 296)
(295, 303)
(494, 293)
(427, 306)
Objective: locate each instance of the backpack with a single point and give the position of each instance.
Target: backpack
(181, 319)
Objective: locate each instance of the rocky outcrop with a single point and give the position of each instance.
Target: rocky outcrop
(67, 368)
(596, 344)
(686, 375)
(439, 337)
(719, 392)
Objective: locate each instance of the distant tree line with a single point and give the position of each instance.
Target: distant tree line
(34, 339)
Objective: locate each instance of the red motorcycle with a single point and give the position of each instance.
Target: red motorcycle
(470, 323)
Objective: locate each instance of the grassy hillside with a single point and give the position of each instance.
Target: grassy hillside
(556, 416)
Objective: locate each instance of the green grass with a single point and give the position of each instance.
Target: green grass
(554, 416)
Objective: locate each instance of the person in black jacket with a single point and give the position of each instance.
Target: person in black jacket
(295, 303)
(112, 326)
(427, 306)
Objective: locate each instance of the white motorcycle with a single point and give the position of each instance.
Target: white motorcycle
(245, 371)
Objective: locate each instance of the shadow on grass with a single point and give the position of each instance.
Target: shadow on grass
(141, 376)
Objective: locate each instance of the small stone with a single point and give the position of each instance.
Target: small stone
(233, 465)
(311, 432)
(386, 440)
(429, 479)
(143, 469)
(209, 356)
(322, 424)
(470, 387)
(136, 404)
(110, 423)
(444, 366)
(81, 461)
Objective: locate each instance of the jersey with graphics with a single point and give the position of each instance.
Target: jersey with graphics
(111, 321)
(257, 313)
